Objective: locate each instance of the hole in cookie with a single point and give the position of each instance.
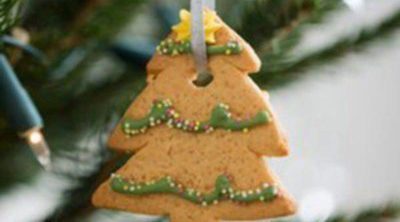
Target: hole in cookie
(203, 79)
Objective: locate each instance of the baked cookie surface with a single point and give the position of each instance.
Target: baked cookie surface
(208, 173)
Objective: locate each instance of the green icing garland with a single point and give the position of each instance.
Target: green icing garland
(222, 190)
(169, 47)
(162, 111)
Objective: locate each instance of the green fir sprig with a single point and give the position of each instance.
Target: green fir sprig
(279, 68)
(8, 14)
(265, 22)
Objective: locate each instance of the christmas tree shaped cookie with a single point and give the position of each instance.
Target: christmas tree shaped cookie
(198, 150)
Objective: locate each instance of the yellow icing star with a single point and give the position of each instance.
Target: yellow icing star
(211, 26)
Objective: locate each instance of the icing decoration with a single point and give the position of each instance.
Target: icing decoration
(169, 47)
(222, 190)
(162, 111)
(211, 25)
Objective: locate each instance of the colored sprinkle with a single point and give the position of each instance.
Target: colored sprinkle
(176, 48)
(162, 111)
(222, 190)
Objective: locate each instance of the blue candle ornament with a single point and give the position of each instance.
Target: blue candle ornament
(21, 112)
(15, 101)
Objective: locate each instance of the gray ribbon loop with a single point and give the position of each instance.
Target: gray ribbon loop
(210, 4)
(197, 32)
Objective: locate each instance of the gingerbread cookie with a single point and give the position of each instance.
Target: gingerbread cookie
(198, 150)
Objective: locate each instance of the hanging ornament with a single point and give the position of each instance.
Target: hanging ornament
(21, 112)
(198, 149)
(15, 102)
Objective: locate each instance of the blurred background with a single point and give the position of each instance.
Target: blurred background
(331, 67)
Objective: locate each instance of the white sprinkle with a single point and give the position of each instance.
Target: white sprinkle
(209, 130)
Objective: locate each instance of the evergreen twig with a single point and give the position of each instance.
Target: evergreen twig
(274, 73)
(8, 11)
(267, 22)
(390, 212)
(87, 40)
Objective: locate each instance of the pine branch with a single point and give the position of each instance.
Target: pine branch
(275, 35)
(266, 21)
(73, 53)
(53, 97)
(74, 22)
(390, 212)
(285, 70)
(77, 137)
(73, 79)
(95, 121)
(8, 12)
